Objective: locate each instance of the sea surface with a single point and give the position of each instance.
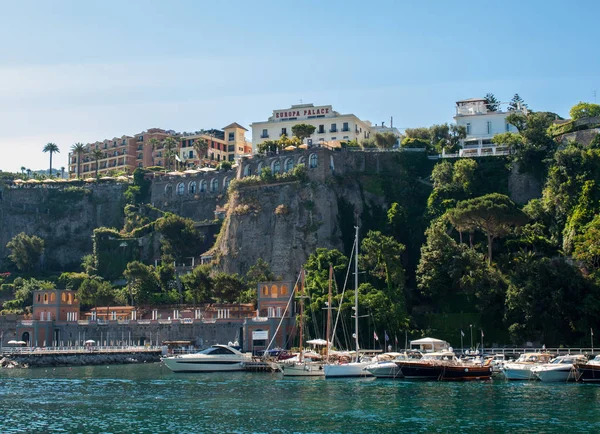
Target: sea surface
(148, 398)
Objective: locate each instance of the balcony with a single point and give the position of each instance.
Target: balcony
(321, 132)
(333, 130)
(264, 136)
(345, 130)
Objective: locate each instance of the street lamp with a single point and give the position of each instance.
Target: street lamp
(471, 327)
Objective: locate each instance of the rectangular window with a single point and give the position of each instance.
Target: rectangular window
(333, 138)
(191, 154)
(265, 134)
(284, 131)
(468, 129)
(321, 129)
(489, 127)
(345, 126)
(507, 127)
(333, 128)
(231, 137)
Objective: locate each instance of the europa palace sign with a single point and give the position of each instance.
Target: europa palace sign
(302, 112)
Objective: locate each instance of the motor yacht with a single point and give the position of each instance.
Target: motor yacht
(520, 369)
(215, 358)
(588, 372)
(444, 365)
(386, 367)
(559, 369)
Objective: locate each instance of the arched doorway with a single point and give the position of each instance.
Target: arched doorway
(25, 337)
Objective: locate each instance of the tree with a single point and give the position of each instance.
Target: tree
(493, 214)
(78, 149)
(225, 166)
(62, 172)
(514, 141)
(142, 281)
(97, 154)
(385, 140)
(201, 147)
(410, 142)
(227, 288)
(180, 238)
(51, 148)
(584, 110)
(23, 169)
(516, 103)
(170, 155)
(418, 133)
(303, 131)
(26, 251)
(154, 144)
(491, 102)
(587, 247)
(198, 285)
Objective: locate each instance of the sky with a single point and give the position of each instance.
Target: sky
(82, 71)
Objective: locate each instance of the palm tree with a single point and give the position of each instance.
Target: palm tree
(52, 148)
(62, 172)
(170, 150)
(153, 142)
(201, 148)
(79, 149)
(23, 169)
(96, 155)
(28, 173)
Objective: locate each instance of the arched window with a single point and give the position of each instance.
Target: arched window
(192, 187)
(289, 165)
(53, 297)
(275, 166)
(247, 170)
(168, 190)
(214, 185)
(46, 297)
(226, 182)
(180, 189)
(284, 289)
(70, 299)
(312, 161)
(202, 186)
(39, 298)
(301, 160)
(265, 290)
(63, 297)
(259, 168)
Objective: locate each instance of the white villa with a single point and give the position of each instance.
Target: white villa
(482, 124)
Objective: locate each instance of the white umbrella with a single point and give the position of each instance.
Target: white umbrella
(21, 343)
(12, 342)
(90, 341)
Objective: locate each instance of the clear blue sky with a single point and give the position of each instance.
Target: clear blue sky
(83, 71)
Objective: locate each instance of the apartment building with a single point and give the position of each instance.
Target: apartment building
(146, 149)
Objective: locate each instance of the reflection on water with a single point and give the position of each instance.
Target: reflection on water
(149, 398)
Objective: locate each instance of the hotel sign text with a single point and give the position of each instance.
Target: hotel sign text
(302, 112)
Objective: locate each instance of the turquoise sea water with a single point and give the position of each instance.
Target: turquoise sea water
(149, 398)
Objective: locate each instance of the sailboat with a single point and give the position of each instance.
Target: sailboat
(356, 367)
(302, 367)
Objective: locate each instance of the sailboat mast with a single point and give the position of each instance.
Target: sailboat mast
(356, 291)
(328, 314)
(301, 311)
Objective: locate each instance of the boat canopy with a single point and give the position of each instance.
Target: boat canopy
(429, 344)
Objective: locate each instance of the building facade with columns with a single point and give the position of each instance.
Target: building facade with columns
(329, 124)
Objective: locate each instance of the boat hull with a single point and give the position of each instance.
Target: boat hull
(555, 375)
(588, 373)
(465, 373)
(522, 372)
(183, 365)
(385, 370)
(302, 369)
(355, 369)
(418, 371)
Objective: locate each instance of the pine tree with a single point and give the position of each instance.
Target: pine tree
(516, 103)
(492, 103)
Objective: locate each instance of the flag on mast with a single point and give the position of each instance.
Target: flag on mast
(375, 336)
(481, 332)
(387, 338)
(462, 333)
(592, 331)
(396, 339)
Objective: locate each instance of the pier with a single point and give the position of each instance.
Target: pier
(79, 356)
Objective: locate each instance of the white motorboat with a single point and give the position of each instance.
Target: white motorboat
(386, 366)
(213, 359)
(520, 369)
(559, 369)
(302, 369)
(352, 369)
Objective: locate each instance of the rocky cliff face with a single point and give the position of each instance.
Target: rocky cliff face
(283, 224)
(64, 218)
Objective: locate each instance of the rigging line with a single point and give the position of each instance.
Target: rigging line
(284, 313)
(354, 248)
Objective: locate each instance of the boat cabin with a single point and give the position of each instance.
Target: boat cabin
(429, 345)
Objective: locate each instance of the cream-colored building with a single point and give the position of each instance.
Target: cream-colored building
(329, 125)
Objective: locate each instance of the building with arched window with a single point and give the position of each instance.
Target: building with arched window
(51, 309)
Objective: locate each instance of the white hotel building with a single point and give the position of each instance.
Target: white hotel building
(329, 125)
(482, 125)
